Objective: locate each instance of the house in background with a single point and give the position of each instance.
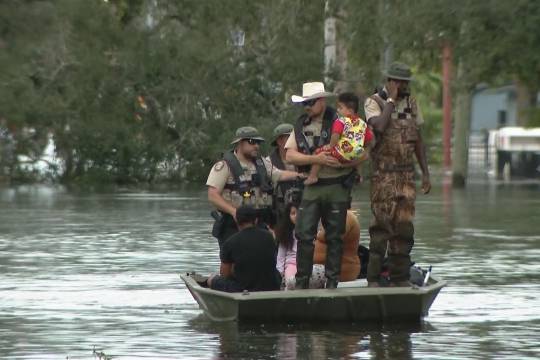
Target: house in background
(511, 151)
(493, 108)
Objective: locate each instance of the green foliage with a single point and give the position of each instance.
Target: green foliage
(138, 90)
(534, 118)
(427, 88)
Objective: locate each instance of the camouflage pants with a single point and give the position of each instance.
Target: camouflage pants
(392, 203)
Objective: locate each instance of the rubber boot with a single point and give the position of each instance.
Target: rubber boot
(334, 218)
(331, 284)
(377, 249)
(305, 231)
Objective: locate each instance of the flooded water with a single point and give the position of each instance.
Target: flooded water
(80, 272)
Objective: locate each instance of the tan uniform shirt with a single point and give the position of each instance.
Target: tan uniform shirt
(220, 175)
(288, 166)
(315, 127)
(372, 109)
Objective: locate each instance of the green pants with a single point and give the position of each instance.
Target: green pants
(329, 204)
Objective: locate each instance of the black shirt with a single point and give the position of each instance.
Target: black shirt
(253, 253)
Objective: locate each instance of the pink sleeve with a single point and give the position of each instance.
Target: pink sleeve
(286, 256)
(338, 126)
(280, 260)
(291, 254)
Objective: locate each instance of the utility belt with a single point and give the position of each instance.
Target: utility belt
(347, 180)
(394, 167)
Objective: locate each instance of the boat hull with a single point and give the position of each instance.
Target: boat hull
(350, 303)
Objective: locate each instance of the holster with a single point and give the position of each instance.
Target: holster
(349, 180)
(219, 223)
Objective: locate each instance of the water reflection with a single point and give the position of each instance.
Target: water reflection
(311, 341)
(447, 198)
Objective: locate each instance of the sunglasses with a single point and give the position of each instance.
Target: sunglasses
(309, 102)
(254, 141)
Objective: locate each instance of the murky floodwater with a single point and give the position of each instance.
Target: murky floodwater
(79, 271)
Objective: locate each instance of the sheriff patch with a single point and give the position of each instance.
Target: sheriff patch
(219, 165)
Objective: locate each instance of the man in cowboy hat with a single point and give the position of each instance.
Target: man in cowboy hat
(242, 177)
(329, 198)
(395, 118)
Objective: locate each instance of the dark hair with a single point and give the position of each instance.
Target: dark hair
(285, 227)
(246, 214)
(350, 100)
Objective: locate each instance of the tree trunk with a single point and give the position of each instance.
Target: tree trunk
(342, 60)
(526, 101)
(387, 50)
(522, 103)
(462, 129)
(330, 49)
(447, 105)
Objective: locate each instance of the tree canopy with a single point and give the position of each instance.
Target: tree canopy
(139, 90)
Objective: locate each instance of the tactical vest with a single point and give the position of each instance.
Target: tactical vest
(395, 147)
(282, 186)
(248, 190)
(302, 139)
(275, 159)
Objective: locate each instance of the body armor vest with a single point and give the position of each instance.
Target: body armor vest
(281, 186)
(248, 190)
(304, 140)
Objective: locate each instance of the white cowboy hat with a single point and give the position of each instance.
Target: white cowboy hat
(311, 90)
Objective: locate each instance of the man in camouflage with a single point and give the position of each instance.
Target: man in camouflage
(242, 177)
(395, 118)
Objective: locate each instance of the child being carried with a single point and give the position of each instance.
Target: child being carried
(350, 135)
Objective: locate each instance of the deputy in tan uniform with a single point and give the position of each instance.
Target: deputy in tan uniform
(395, 118)
(242, 177)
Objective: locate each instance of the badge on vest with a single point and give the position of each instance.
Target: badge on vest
(324, 134)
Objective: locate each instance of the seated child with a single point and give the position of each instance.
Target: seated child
(286, 257)
(350, 135)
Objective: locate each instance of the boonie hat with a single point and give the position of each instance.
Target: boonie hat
(246, 132)
(281, 129)
(398, 71)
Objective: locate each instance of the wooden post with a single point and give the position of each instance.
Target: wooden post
(447, 106)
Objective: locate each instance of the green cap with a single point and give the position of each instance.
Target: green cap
(399, 71)
(246, 132)
(282, 129)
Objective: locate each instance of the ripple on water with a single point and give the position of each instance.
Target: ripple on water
(102, 270)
